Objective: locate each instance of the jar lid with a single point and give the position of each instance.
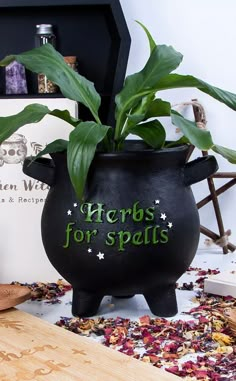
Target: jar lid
(70, 59)
(44, 29)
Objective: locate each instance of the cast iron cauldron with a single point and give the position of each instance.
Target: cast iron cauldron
(137, 230)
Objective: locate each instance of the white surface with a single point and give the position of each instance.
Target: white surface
(136, 306)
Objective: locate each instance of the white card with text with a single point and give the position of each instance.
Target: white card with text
(22, 255)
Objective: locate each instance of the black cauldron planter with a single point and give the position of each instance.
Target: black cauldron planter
(137, 230)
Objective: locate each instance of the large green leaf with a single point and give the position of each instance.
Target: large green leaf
(138, 113)
(152, 43)
(48, 61)
(58, 145)
(196, 136)
(227, 153)
(173, 81)
(33, 113)
(147, 108)
(158, 108)
(153, 133)
(65, 115)
(80, 152)
(199, 137)
(176, 143)
(162, 61)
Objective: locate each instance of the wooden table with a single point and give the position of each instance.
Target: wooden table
(33, 349)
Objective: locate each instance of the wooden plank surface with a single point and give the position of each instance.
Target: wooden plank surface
(33, 349)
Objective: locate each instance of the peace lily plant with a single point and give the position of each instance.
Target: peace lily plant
(138, 108)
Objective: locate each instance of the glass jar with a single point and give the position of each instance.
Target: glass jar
(72, 62)
(44, 35)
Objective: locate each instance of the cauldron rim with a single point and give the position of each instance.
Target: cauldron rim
(137, 145)
(138, 148)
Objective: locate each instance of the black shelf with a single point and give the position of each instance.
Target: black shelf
(94, 31)
(38, 96)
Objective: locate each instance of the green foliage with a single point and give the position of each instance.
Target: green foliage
(80, 152)
(138, 105)
(163, 60)
(227, 153)
(152, 43)
(58, 145)
(31, 114)
(176, 81)
(200, 138)
(153, 133)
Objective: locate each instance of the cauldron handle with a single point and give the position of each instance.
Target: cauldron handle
(199, 169)
(42, 169)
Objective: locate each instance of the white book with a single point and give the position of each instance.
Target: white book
(223, 283)
(22, 198)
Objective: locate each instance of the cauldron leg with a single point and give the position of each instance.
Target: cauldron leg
(162, 301)
(85, 303)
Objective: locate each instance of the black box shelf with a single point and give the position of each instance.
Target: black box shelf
(94, 31)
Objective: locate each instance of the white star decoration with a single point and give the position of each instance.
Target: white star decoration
(163, 216)
(100, 255)
(69, 212)
(157, 202)
(89, 250)
(75, 205)
(169, 225)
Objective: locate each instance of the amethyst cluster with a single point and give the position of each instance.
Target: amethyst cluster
(15, 79)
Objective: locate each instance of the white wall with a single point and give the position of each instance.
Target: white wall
(204, 32)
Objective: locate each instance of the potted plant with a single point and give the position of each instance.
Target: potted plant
(120, 217)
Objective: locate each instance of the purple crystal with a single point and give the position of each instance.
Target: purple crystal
(15, 79)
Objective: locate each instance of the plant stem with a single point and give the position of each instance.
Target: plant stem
(106, 142)
(97, 119)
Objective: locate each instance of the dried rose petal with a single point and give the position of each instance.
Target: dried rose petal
(161, 342)
(144, 320)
